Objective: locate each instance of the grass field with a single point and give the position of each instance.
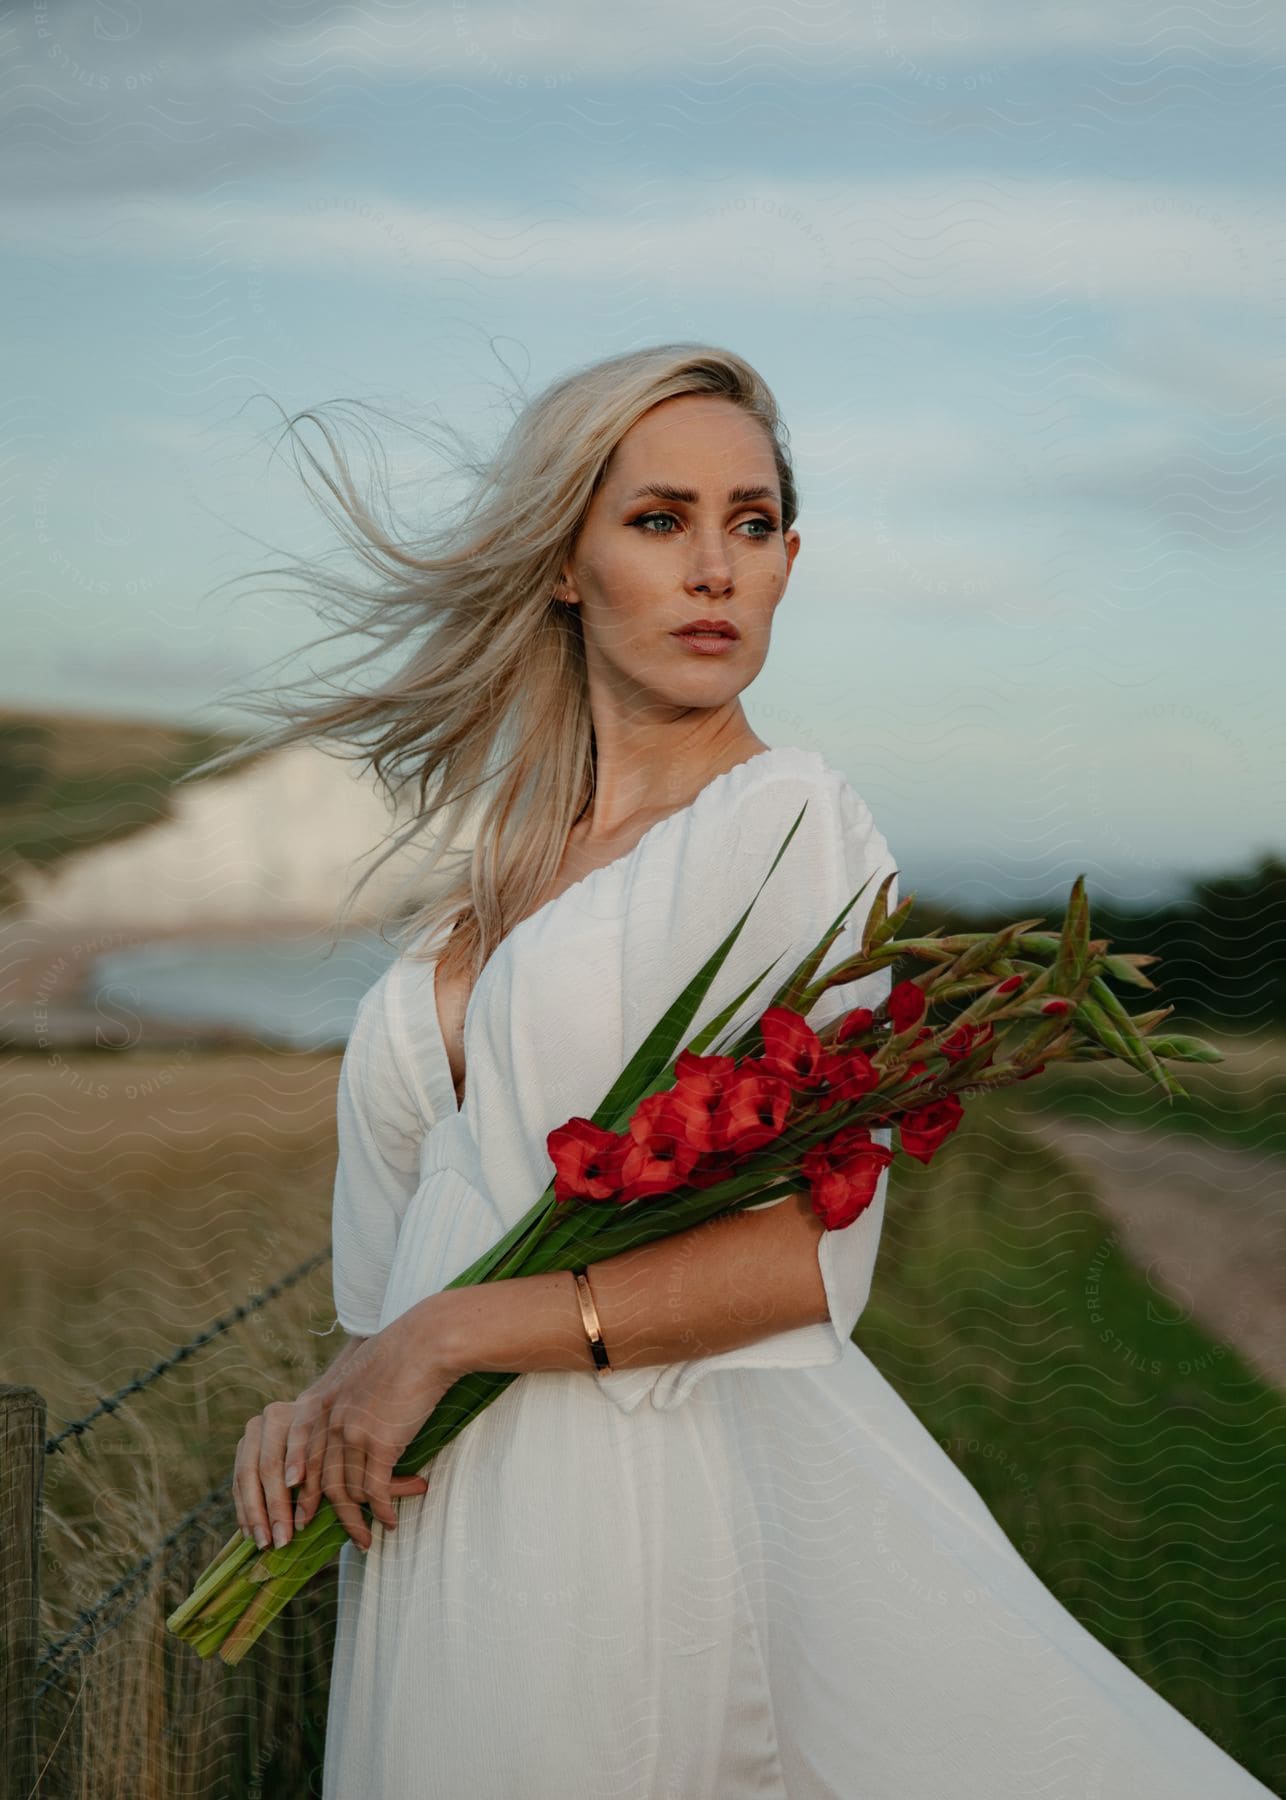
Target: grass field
(1240, 1101)
(145, 1196)
(1136, 1464)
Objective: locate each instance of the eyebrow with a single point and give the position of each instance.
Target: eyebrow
(663, 490)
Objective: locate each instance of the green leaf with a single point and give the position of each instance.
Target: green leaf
(795, 991)
(659, 1047)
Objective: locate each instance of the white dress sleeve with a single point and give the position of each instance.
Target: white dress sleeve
(381, 1124)
(836, 848)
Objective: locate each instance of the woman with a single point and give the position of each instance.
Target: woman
(734, 1563)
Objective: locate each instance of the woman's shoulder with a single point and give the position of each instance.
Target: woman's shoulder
(797, 814)
(771, 781)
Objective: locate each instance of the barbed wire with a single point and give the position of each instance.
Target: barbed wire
(109, 1405)
(55, 1654)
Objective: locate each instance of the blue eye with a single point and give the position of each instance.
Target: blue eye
(769, 529)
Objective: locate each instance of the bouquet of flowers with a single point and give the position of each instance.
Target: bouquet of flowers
(691, 1130)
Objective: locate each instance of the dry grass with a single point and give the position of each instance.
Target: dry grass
(146, 1195)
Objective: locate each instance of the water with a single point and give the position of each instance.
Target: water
(283, 990)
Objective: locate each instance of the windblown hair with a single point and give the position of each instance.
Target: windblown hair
(491, 697)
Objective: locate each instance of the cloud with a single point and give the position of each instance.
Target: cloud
(924, 244)
(578, 39)
(155, 47)
(113, 97)
(1243, 380)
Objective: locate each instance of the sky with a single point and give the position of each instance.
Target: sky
(1014, 272)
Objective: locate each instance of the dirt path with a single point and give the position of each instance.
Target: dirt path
(1206, 1221)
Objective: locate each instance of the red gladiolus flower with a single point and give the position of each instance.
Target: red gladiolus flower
(843, 1174)
(586, 1161)
(965, 1039)
(792, 1049)
(754, 1108)
(1009, 985)
(906, 1004)
(1054, 1007)
(853, 1022)
(698, 1094)
(846, 1075)
(657, 1154)
(924, 1131)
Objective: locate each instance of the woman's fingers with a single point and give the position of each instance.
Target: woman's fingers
(403, 1485)
(251, 1510)
(338, 1458)
(243, 1523)
(308, 1499)
(356, 1477)
(236, 1488)
(272, 1455)
(379, 1499)
(297, 1439)
(290, 1445)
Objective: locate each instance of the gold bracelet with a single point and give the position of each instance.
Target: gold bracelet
(589, 1314)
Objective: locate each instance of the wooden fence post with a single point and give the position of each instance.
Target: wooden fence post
(22, 1475)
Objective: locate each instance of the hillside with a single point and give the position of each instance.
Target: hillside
(95, 833)
(69, 782)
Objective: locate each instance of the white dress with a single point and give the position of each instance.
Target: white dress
(750, 1574)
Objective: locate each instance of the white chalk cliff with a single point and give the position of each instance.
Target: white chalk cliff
(280, 842)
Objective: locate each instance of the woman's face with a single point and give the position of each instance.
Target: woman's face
(648, 563)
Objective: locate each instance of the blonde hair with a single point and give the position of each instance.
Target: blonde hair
(492, 694)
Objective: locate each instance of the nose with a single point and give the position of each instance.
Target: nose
(711, 572)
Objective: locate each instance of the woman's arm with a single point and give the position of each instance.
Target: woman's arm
(717, 1285)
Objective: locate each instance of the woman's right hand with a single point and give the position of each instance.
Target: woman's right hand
(270, 1461)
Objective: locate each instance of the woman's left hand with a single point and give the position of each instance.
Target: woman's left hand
(374, 1407)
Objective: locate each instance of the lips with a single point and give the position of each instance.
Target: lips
(708, 628)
